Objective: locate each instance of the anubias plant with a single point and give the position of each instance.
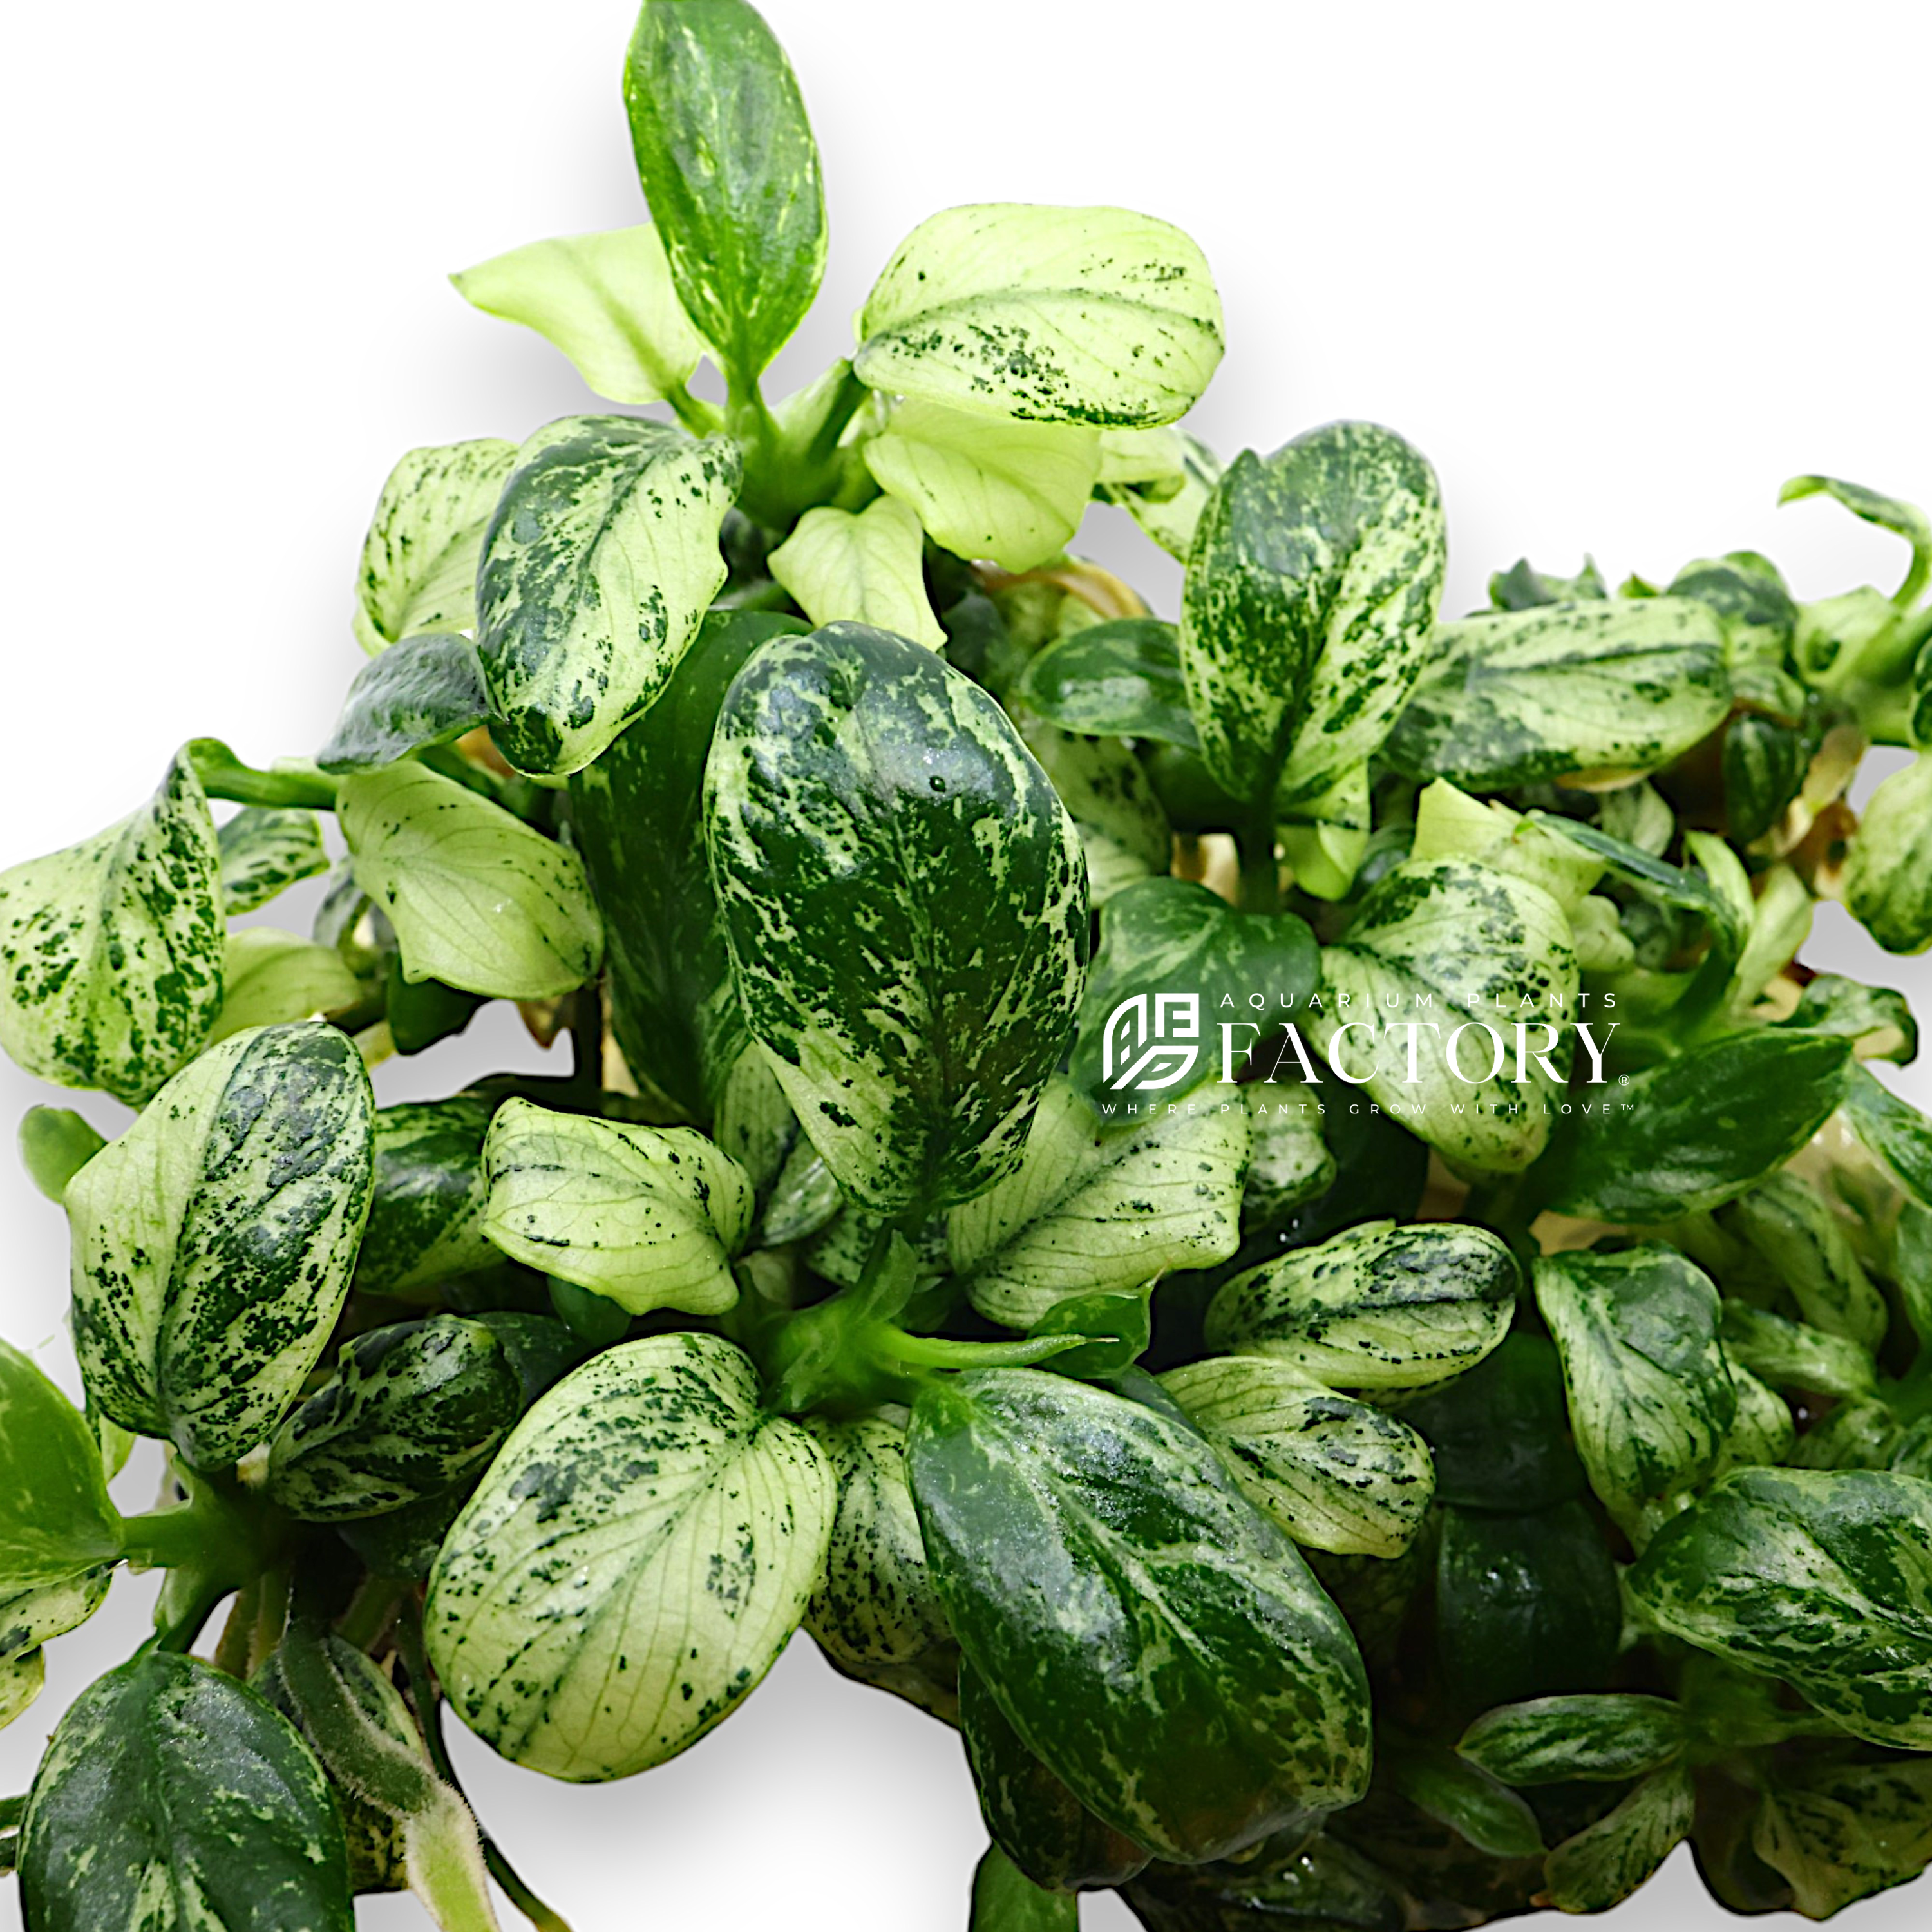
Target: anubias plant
(1258, 1214)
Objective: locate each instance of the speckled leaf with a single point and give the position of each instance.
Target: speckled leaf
(1093, 1206)
(1601, 1865)
(1762, 1431)
(1335, 1473)
(22, 1677)
(868, 567)
(411, 1410)
(1889, 865)
(731, 170)
(269, 976)
(1482, 949)
(1789, 1355)
(425, 691)
(1118, 678)
(264, 850)
(426, 1207)
(905, 905)
(1823, 1578)
(1289, 1163)
(649, 1217)
(985, 486)
(110, 950)
(1878, 1021)
(595, 570)
(1381, 1306)
(56, 1523)
(641, 1551)
(1894, 1130)
(36, 1617)
(1619, 685)
(213, 1242)
(1151, 1637)
(1905, 520)
(606, 300)
(419, 568)
(479, 900)
(1167, 511)
(1310, 591)
(1839, 1832)
(1601, 1739)
(1086, 315)
(1124, 830)
(172, 1799)
(1807, 1245)
(1700, 1128)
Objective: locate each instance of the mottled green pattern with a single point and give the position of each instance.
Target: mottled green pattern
(905, 905)
(173, 1800)
(479, 900)
(37, 1617)
(410, 1411)
(1381, 1306)
(1806, 1244)
(1333, 1472)
(635, 1560)
(1904, 520)
(1151, 1637)
(1167, 511)
(418, 567)
(56, 1522)
(1823, 1578)
(1651, 1398)
(213, 1241)
(1789, 1355)
(1601, 1739)
(868, 567)
(1289, 1163)
(1840, 1832)
(595, 570)
(1090, 1208)
(649, 1217)
(1597, 686)
(1124, 831)
(1888, 866)
(22, 1677)
(1605, 1862)
(426, 1207)
(1087, 315)
(265, 849)
(110, 950)
(424, 691)
(1121, 679)
(1311, 588)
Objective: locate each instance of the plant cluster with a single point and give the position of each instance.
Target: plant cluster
(1256, 1213)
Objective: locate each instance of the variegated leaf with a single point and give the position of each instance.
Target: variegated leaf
(561, 1617)
(479, 900)
(22, 1677)
(1601, 1865)
(1605, 1738)
(213, 1242)
(648, 1217)
(37, 1617)
(1168, 512)
(264, 850)
(1085, 315)
(426, 1205)
(595, 571)
(1093, 1206)
(56, 1522)
(1838, 1832)
(1124, 831)
(1806, 1245)
(1311, 588)
(425, 691)
(1602, 687)
(1120, 678)
(868, 567)
(269, 976)
(985, 486)
(905, 905)
(1789, 1355)
(1889, 865)
(111, 949)
(419, 568)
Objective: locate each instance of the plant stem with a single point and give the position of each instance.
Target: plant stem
(693, 414)
(232, 1653)
(11, 1811)
(1260, 874)
(369, 1612)
(224, 776)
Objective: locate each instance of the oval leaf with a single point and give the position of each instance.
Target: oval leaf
(270, 976)
(1605, 1862)
(1889, 864)
(1601, 1739)
(1124, 830)
(1118, 678)
(56, 1522)
(426, 1207)
(422, 692)
(265, 849)
(869, 568)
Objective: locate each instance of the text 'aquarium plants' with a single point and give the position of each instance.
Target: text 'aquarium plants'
(1258, 1214)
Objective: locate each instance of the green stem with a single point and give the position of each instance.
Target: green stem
(232, 1654)
(224, 776)
(846, 401)
(12, 1810)
(271, 1617)
(939, 1351)
(699, 417)
(369, 1612)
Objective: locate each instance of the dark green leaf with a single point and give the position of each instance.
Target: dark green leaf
(420, 1012)
(1005, 1899)
(56, 1520)
(1876, 1020)
(422, 692)
(1117, 678)
(1840, 1832)
(1764, 762)
(1803, 1242)
(1601, 1865)
(1499, 1434)
(1465, 1798)
(1894, 1130)
(1789, 1355)
(1602, 1739)
(264, 849)
(426, 1207)
(1319, 1883)
(1118, 1320)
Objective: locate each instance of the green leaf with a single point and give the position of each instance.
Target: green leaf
(1464, 1797)
(1601, 1739)
(875, 1612)
(478, 899)
(36, 1617)
(1894, 1130)
(1888, 876)
(561, 1616)
(1823, 1578)
(1381, 1306)
(1117, 678)
(1289, 1162)
(869, 568)
(1763, 1430)
(1789, 1355)
(985, 486)
(213, 1242)
(56, 1522)
(173, 1799)
(1499, 1434)
(1124, 830)
(1450, 824)
(1752, 603)
(1840, 1832)
(1305, 620)
(1521, 588)
(424, 691)
(606, 300)
(1650, 1397)
(1157, 1643)
(1317, 1881)
(1335, 1473)
(731, 170)
(1877, 1021)
(1083, 315)
(1488, 953)
(905, 906)
(1169, 939)
(1765, 761)
(1601, 1865)
(110, 950)
(21, 1680)
(1119, 1320)
(1698, 1130)
(270, 976)
(55, 1144)
(411, 1410)
(1168, 509)
(418, 567)
(1906, 520)
(426, 1206)
(1005, 1899)
(1807, 1245)
(1656, 879)
(1598, 687)
(594, 575)
(648, 1217)
(1049, 1835)
(264, 849)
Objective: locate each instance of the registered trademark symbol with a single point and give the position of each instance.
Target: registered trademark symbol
(1623, 1079)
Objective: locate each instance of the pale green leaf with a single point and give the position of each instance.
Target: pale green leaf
(868, 567)
(271, 976)
(1888, 866)
(1169, 514)
(265, 849)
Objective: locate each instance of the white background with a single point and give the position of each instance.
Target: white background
(1618, 271)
